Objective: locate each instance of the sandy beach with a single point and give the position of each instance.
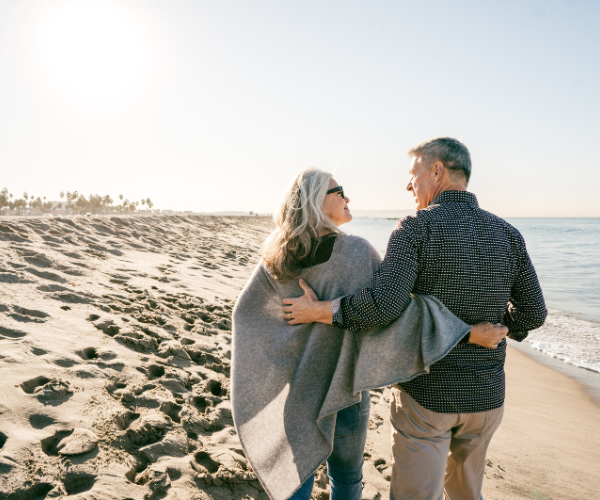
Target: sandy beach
(115, 339)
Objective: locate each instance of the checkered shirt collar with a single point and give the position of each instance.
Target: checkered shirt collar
(456, 197)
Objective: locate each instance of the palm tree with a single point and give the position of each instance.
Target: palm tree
(25, 197)
(107, 200)
(121, 197)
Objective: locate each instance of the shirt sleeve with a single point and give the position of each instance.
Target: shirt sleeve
(390, 289)
(526, 308)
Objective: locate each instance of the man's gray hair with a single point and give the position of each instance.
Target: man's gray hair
(452, 153)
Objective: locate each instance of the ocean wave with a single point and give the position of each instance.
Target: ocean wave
(572, 340)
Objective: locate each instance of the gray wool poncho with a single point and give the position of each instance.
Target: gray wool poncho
(288, 382)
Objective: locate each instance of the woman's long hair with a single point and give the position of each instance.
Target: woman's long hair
(300, 220)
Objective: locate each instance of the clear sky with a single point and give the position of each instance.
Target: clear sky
(216, 105)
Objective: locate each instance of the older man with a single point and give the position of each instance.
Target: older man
(477, 265)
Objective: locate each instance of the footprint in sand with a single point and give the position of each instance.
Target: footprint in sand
(172, 410)
(152, 371)
(71, 297)
(213, 412)
(39, 421)
(13, 278)
(70, 442)
(3, 439)
(215, 387)
(50, 444)
(149, 429)
(205, 401)
(116, 388)
(119, 279)
(175, 351)
(78, 482)
(156, 477)
(46, 275)
(72, 271)
(48, 391)
(64, 362)
(17, 265)
(108, 327)
(124, 420)
(35, 492)
(100, 356)
(88, 353)
(205, 463)
(25, 315)
(177, 382)
(40, 260)
(73, 255)
(11, 333)
(208, 360)
(223, 466)
(136, 340)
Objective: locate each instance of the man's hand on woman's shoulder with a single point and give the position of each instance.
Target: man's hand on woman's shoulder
(306, 309)
(487, 335)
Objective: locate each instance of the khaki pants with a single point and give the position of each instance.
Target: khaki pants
(438, 456)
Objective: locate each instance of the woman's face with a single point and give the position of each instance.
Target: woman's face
(336, 207)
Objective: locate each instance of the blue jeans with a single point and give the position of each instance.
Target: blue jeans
(344, 465)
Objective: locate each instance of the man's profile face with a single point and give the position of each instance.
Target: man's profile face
(421, 181)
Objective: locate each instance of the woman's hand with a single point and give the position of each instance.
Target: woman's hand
(487, 335)
(306, 309)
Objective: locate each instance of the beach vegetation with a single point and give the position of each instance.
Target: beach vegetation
(71, 203)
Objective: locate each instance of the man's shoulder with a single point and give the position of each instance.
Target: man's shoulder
(511, 231)
(444, 213)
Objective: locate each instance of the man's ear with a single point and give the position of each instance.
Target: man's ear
(438, 171)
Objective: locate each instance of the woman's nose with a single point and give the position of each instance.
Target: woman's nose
(347, 199)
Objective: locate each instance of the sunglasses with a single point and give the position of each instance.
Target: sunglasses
(338, 189)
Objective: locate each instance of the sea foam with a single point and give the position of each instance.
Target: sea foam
(572, 340)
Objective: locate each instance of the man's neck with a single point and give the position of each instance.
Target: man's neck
(450, 186)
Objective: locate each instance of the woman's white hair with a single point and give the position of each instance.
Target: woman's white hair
(300, 220)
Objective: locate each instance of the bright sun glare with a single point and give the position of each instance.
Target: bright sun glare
(94, 50)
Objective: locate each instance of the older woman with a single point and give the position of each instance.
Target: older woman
(300, 393)
(308, 224)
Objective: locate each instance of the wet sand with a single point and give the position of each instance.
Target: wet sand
(548, 446)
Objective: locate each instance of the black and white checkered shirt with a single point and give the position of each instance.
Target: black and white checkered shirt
(478, 266)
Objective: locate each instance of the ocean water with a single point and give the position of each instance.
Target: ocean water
(566, 256)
